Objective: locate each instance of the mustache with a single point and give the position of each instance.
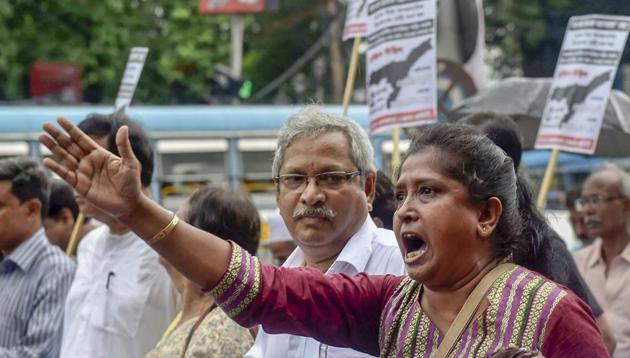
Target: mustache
(313, 212)
(589, 220)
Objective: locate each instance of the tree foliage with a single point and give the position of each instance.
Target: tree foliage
(97, 36)
(529, 33)
(184, 46)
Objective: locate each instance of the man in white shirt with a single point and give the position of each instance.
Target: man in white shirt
(325, 186)
(605, 264)
(121, 300)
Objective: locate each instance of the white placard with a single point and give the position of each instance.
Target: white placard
(588, 60)
(401, 63)
(130, 79)
(356, 24)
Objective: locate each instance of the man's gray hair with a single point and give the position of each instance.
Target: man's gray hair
(313, 121)
(624, 178)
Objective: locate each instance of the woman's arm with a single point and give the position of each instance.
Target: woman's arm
(112, 184)
(336, 310)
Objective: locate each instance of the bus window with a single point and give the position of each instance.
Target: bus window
(257, 158)
(185, 165)
(13, 148)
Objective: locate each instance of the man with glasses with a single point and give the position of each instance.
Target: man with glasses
(325, 176)
(605, 264)
(576, 217)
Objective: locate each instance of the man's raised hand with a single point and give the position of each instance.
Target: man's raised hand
(109, 182)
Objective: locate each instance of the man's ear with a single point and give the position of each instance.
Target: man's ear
(65, 214)
(33, 208)
(489, 214)
(370, 188)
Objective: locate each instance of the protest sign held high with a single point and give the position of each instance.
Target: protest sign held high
(588, 60)
(401, 63)
(130, 79)
(356, 24)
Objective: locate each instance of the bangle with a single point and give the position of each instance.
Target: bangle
(164, 232)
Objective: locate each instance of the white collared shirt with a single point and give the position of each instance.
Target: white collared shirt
(611, 287)
(121, 301)
(370, 250)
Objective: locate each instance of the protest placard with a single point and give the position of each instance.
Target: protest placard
(588, 60)
(356, 19)
(130, 78)
(401, 63)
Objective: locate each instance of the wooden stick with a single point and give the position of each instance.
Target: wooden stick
(71, 250)
(395, 149)
(548, 178)
(352, 74)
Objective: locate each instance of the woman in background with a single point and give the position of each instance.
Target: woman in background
(201, 329)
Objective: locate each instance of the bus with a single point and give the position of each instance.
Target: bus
(230, 146)
(233, 146)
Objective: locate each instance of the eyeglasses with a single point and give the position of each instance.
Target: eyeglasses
(595, 201)
(328, 180)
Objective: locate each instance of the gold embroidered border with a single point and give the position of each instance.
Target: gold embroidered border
(491, 315)
(558, 298)
(254, 290)
(519, 318)
(242, 285)
(507, 315)
(230, 276)
(542, 297)
(398, 309)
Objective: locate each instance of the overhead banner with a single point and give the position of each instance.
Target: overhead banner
(356, 24)
(130, 79)
(591, 51)
(401, 63)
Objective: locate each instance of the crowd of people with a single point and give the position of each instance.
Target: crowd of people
(451, 259)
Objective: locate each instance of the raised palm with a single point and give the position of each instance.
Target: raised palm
(107, 181)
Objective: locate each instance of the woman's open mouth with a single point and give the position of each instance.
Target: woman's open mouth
(415, 246)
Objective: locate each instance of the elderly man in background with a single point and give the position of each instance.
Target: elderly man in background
(279, 242)
(325, 186)
(605, 264)
(34, 275)
(577, 217)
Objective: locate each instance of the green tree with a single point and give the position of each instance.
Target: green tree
(529, 33)
(97, 36)
(185, 46)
